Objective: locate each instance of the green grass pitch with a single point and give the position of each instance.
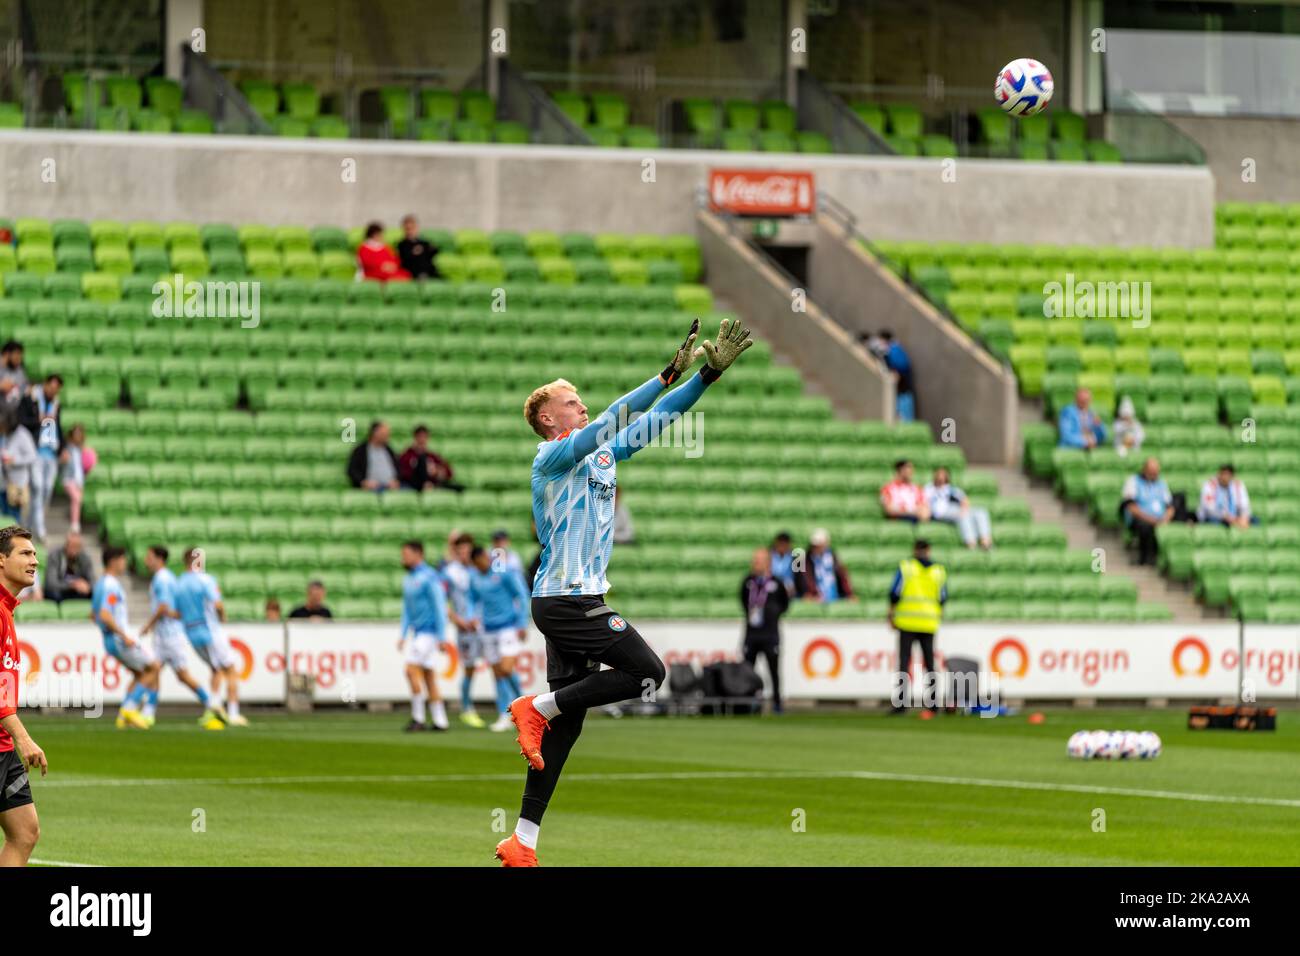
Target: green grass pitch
(350, 788)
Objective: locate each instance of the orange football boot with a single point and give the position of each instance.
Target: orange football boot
(531, 726)
(513, 853)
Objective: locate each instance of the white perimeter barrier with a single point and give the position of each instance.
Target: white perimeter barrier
(65, 664)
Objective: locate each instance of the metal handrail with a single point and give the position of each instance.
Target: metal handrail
(819, 109)
(537, 110)
(207, 90)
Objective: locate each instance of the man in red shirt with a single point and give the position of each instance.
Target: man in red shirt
(423, 469)
(902, 499)
(377, 260)
(18, 751)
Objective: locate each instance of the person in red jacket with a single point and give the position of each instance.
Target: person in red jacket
(421, 468)
(18, 751)
(377, 260)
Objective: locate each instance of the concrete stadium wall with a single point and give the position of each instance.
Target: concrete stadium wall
(279, 181)
(1272, 143)
(955, 379)
(820, 347)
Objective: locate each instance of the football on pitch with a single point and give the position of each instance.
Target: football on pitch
(1150, 744)
(1079, 745)
(1130, 747)
(1023, 87)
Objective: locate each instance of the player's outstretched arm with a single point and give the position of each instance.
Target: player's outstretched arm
(602, 429)
(733, 339)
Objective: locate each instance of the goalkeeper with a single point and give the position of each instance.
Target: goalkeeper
(573, 507)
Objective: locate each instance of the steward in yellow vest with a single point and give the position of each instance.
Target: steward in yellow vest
(915, 609)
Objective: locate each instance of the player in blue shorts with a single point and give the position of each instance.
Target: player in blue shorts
(198, 601)
(501, 613)
(170, 642)
(108, 608)
(424, 615)
(573, 507)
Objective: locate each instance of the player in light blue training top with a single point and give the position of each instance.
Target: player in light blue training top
(573, 507)
(424, 615)
(198, 601)
(169, 634)
(456, 572)
(500, 608)
(108, 608)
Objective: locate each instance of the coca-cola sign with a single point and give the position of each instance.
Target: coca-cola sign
(761, 192)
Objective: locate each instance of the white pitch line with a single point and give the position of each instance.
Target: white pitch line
(62, 863)
(684, 775)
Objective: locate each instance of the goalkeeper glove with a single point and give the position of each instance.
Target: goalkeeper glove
(685, 356)
(733, 338)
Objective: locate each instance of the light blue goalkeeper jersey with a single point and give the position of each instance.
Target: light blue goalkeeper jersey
(574, 481)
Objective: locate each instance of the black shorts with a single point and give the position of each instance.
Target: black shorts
(15, 790)
(578, 629)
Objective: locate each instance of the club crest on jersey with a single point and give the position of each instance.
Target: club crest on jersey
(616, 623)
(604, 460)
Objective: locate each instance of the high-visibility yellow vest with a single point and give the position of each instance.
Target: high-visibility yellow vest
(918, 608)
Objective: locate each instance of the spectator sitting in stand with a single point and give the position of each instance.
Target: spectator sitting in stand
(314, 606)
(824, 578)
(272, 610)
(1224, 499)
(416, 252)
(377, 260)
(420, 468)
(1078, 426)
(1147, 504)
(69, 574)
(1129, 433)
(902, 499)
(373, 465)
(949, 503)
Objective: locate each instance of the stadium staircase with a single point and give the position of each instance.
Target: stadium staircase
(1082, 534)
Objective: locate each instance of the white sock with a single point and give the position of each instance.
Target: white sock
(526, 831)
(417, 707)
(437, 711)
(232, 708)
(545, 705)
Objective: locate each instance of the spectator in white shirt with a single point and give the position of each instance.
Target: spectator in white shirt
(1224, 499)
(902, 499)
(949, 503)
(1129, 433)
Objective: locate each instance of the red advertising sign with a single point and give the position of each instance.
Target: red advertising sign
(761, 192)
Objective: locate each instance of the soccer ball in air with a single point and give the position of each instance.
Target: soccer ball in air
(1023, 87)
